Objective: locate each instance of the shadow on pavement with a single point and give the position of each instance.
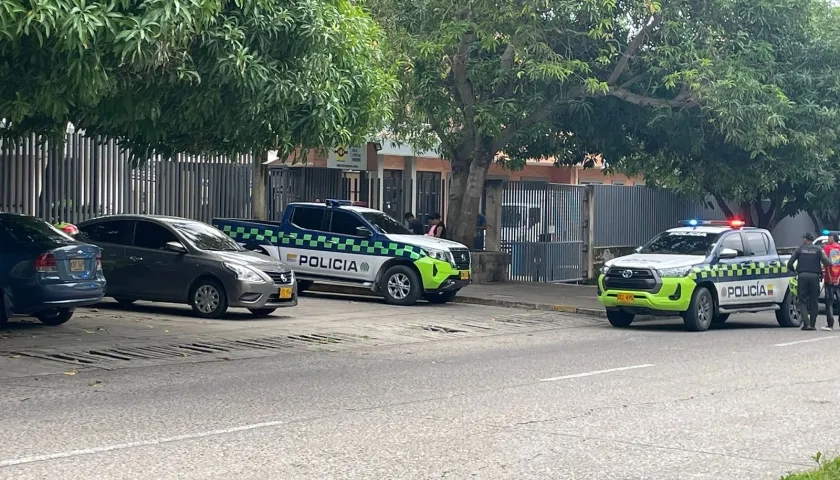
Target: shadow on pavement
(666, 326)
(178, 311)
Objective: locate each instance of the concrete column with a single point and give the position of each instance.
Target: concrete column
(493, 197)
(375, 169)
(589, 230)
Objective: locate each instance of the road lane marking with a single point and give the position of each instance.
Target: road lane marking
(805, 341)
(144, 443)
(596, 372)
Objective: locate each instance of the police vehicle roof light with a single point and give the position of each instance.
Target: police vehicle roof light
(826, 232)
(719, 223)
(337, 203)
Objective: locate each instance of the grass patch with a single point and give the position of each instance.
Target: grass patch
(827, 469)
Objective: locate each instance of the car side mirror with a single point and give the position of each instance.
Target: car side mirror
(728, 253)
(637, 249)
(176, 247)
(363, 232)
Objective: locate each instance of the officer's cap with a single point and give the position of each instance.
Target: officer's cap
(808, 236)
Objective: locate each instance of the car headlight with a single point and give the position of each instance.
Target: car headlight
(246, 274)
(605, 269)
(674, 272)
(441, 255)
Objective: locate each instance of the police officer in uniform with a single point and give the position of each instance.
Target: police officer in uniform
(810, 261)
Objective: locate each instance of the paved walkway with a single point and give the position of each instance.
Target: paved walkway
(557, 297)
(540, 296)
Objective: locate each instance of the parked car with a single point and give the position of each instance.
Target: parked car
(338, 243)
(172, 259)
(44, 272)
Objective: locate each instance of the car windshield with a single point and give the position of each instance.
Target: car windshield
(682, 243)
(34, 230)
(206, 237)
(385, 223)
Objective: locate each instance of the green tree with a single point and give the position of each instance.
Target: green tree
(773, 172)
(527, 79)
(245, 76)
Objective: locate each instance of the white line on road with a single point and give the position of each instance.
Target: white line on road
(804, 341)
(124, 446)
(596, 372)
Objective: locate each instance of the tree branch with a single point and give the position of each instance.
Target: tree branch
(444, 138)
(462, 82)
(506, 64)
(723, 206)
(632, 47)
(684, 99)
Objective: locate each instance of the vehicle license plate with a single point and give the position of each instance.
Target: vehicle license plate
(625, 297)
(77, 265)
(285, 293)
(465, 275)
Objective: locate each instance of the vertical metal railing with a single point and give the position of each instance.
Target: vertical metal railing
(87, 177)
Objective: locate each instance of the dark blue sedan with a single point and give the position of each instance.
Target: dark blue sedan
(44, 272)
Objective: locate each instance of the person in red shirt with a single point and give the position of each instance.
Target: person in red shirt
(832, 279)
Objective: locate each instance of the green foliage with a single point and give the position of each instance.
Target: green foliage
(166, 76)
(827, 469)
(561, 79)
(776, 158)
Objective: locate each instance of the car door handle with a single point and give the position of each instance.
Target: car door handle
(136, 259)
(773, 264)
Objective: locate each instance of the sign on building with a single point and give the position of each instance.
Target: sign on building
(348, 158)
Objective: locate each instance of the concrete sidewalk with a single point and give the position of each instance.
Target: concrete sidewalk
(557, 297)
(530, 296)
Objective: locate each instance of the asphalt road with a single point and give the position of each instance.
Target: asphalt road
(576, 399)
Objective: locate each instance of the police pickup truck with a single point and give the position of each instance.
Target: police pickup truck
(703, 271)
(338, 243)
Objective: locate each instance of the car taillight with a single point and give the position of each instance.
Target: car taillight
(46, 263)
(99, 262)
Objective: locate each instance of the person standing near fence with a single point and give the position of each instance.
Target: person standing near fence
(436, 226)
(810, 260)
(832, 279)
(414, 224)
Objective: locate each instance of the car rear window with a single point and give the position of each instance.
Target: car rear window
(33, 230)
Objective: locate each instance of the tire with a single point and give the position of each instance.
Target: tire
(261, 312)
(303, 285)
(700, 312)
(208, 298)
(442, 297)
(401, 286)
(124, 300)
(620, 319)
(720, 318)
(788, 315)
(55, 317)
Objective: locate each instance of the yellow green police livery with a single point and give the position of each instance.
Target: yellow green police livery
(703, 271)
(342, 244)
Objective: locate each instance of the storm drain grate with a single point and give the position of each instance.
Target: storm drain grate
(120, 355)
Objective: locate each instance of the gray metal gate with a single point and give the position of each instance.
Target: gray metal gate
(542, 230)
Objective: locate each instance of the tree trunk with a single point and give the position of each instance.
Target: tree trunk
(465, 198)
(258, 201)
(814, 220)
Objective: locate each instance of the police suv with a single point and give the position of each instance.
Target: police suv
(703, 271)
(338, 243)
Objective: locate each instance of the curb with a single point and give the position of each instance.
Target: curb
(466, 299)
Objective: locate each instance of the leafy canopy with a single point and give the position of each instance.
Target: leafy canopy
(197, 75)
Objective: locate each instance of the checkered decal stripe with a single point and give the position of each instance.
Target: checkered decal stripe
(309, 241)
(750, 271)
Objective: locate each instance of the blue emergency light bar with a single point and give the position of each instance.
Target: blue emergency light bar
(826, 232)
(338, 203)
(734, 223)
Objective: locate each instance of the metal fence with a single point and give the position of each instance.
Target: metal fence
(542, 230)
(89, 177)
(627, 216)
